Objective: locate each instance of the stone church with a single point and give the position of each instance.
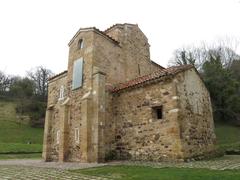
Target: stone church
(113, 102)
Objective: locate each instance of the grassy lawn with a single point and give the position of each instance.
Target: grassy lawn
(228, 137)
(16, 137)
(15, 133)
(21, 156)
(20, 148)
(143, 173)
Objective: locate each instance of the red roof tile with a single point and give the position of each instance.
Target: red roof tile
(153, 76)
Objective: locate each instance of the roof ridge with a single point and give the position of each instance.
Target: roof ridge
(59, 74)
(118, 24)
(152, 76)
(96, 30)
(155, 63)
(102, 32)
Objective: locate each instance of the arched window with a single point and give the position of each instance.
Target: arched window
(80, 44)
(61, 93)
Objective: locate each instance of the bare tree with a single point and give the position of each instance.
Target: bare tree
(189, 55)
(5, 82)
(225, 49)
(226, 54)
(40, 76)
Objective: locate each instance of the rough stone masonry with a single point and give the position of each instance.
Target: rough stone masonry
(113, 102)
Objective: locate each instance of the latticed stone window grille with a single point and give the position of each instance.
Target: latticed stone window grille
(61, 93)
(58, 137)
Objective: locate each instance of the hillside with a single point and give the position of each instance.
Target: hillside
(15, 135)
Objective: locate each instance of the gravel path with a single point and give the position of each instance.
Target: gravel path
(34, 173)
(56, 165)
(25, 169)
(37, 169)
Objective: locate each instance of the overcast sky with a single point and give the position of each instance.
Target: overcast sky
(36, 32)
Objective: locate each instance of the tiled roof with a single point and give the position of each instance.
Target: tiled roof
(53, 77)
(96, 30)
(150, 77)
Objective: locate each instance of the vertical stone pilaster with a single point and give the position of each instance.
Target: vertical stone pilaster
(174, 115)
(47, 135)
(98, 123)
(64, 131)
(85, 130)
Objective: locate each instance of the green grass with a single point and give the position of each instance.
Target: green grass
(15, 134)
(227, 134)
(19, 148)
(21, 156)
(228, 137)
(148, 173)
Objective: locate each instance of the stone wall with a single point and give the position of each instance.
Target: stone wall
(195, 115)
(135, 50)
(53, 117)
(110, 125)
(75, 152)
(107, 57)
(139, 134)
(54, 89)
(186, 130)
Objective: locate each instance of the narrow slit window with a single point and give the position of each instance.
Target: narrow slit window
(76, 134)
(61, 93)
(139, 71)
(80, 44)
(158, 112)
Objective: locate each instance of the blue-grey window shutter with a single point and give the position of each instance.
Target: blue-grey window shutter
(77, 73)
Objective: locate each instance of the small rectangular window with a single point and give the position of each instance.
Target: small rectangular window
(158, 112)
(76, 135)
(58, 137)
(77, 73)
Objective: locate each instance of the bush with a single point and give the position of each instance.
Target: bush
(34, 109)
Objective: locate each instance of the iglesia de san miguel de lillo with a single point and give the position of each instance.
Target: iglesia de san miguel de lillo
(114, 102)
